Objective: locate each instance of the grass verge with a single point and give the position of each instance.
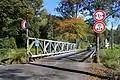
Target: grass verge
(111, 58)
(12, 56)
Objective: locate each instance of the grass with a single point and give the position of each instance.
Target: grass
(12, 56)
(111, 58)
(15, 56)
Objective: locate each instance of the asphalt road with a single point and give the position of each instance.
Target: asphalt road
(63, 68)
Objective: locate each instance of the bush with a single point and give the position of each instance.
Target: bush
(116, 46)
(111, 58)
(8, 43)
(83, 45)
(10, 56)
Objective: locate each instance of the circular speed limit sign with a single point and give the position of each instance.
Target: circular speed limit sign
(99, 15)
(99, 27)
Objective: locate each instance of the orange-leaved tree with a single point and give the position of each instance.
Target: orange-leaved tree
(70, 29)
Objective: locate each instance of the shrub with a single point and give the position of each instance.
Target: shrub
(83, 45)
(117, 46)
(111, 58)
(11, 56)
(8, 43)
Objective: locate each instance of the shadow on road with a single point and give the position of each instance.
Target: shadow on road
(19, 74)
(71, 70)
(12, 74)
(81, 60)
(61, 57)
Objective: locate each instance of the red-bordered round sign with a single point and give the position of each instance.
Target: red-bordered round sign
(24, 22)
(99, 15)
(99, 27)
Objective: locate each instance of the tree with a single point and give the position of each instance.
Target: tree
(52, 23)
(111, 7)
(12, 12)
(73, 8)
(72, 29)
(68, 8)
(117, 35)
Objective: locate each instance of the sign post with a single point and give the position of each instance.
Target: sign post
(27, 41)
(25, 26)
(99, 27)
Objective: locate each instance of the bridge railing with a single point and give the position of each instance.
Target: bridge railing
(49, 47)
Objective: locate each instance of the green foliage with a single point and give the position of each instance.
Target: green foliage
(11, 12)
(116, 36)
(116, 46)
(111, 58)
(83, 45)
(68, 8)
(72, 28)
(11, 56)
(8, 43)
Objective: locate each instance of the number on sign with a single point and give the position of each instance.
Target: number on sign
(99, 15)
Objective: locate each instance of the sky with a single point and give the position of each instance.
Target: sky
(50, 6)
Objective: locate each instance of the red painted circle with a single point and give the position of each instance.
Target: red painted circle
(103, 16)
(104, 27)
(23, 24)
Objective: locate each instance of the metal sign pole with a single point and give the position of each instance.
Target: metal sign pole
(99, 27)
(25, 26)
(27, 51)
(98, 48)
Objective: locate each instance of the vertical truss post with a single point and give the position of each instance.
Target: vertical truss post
(56, 45)
(50, 49)
(67, 46)
(59, 47)
(71, 46)
(44, 50)
(62, 46)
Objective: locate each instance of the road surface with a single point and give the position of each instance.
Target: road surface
(67, 68)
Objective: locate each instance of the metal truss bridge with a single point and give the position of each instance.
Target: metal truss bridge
(43, 47)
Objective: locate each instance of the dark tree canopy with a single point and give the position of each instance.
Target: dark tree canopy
(72, 8)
